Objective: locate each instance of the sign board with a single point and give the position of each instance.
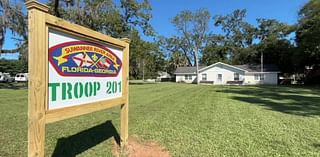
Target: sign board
(82, 71)
(72, 71)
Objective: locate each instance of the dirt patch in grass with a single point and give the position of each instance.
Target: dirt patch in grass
(138, 148)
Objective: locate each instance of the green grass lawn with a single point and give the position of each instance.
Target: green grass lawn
(187, 120)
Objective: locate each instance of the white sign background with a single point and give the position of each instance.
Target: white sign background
(55, 38)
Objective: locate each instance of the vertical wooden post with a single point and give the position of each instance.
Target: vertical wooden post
(37, 77)
(125, 94)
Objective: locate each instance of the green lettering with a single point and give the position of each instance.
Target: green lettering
(78, 90)
(53, 87)
(66, 90)
(88, 89)
(96, 87)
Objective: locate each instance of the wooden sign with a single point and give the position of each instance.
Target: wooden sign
(72, 71)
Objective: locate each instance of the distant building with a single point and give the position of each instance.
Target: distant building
(163, 76)
(222, 74)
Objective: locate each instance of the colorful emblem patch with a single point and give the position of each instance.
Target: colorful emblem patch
(82, 58)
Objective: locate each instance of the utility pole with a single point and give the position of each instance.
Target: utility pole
(197, 64)
(143, 69)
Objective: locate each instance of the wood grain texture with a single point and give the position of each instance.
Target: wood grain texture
(73, 111)
(125, 94)
(37, 79)
(32, 4)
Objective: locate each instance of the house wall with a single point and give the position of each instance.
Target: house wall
(226, 71)
(269, 78)
(181, 78)
(228, 75)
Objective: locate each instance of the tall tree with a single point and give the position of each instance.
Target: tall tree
(192, 28)
(308, 34)
(106, 16)
(273, 43)
(13, 19)
(145, 58)
(192, 31)
(238, 34)
(308, 41)
(216, 50)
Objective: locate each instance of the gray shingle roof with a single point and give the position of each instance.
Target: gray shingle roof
(188, 70)
(257, 68)
(247, 67)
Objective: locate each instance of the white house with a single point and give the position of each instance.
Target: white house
(221, 73)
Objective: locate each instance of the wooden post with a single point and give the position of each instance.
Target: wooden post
(125, 93)
(37, 78)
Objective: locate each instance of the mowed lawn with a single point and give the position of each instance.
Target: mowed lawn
(187, 120)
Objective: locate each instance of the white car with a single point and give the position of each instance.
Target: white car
(21, 77)
(5, 77)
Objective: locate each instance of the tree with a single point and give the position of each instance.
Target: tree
(146, 59)
(13, 19)
(177, 59)
(12, 66)
(274, 45)
(308, 41)
(192, 31)
(215, 50)
(238, 34)
(308, 34)
(106, 16)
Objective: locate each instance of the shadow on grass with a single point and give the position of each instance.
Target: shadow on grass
(316, 145)
(82, 141)
(290, 100)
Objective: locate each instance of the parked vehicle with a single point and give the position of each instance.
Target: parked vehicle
(21, 77)
(5, 77)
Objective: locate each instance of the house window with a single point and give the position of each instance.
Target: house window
(259, 77)
(236, 77)
(204, 77)
(219, 77)
(187, 77)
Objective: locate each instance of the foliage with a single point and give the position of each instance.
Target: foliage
(308, 34)
(242, 43)
(145, 58)
(177, 59)
(13, 66)
(192, 31)
(106, 16)
(238, 33)
(12, 18)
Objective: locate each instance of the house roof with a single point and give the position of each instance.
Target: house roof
(245, 67)
(212, 65)
(187, 70)
(257, 68)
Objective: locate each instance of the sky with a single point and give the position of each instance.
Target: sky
(164, 10)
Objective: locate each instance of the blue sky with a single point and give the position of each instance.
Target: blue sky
(164, 10)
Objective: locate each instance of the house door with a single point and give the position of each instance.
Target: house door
(219, 79)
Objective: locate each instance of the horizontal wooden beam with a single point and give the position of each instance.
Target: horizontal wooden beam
(69, 112)
(85, 32)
